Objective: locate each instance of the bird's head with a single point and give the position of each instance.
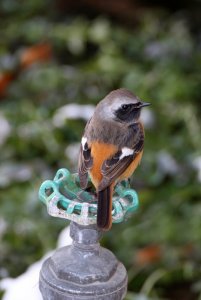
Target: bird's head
(122, 106)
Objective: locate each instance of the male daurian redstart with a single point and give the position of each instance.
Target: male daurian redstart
(111, 148)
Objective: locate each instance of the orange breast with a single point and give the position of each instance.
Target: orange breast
(100, 152)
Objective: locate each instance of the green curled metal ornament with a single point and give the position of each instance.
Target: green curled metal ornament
(65, 199)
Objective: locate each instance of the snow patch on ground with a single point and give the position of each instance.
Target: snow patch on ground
(26, 286)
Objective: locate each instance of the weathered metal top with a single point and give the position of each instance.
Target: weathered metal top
(65, 199)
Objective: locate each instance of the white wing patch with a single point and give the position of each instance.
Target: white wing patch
(126, 152)
(83, 142)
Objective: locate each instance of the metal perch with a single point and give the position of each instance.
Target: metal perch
(84, 270)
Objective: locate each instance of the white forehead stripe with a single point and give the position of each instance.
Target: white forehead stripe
(83, 142)
(126, 152)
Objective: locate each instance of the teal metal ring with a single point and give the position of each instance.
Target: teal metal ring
(65, 199)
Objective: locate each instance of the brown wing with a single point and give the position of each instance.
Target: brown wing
(115, 166)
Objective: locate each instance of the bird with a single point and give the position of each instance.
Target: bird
(111, 148)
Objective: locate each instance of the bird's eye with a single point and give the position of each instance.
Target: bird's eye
(125, 107)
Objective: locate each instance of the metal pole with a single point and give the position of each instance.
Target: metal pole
(84, 270)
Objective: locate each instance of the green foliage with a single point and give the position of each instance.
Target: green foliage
(159, 60)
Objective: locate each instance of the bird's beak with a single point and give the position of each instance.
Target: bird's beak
(145, 104)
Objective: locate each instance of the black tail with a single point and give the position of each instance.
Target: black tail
(104, 214)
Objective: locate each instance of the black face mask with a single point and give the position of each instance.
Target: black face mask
(127, 113)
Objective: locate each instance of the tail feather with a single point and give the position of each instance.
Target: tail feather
(104, 214)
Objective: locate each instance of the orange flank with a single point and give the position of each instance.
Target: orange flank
(100, 152)
(131, 168)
